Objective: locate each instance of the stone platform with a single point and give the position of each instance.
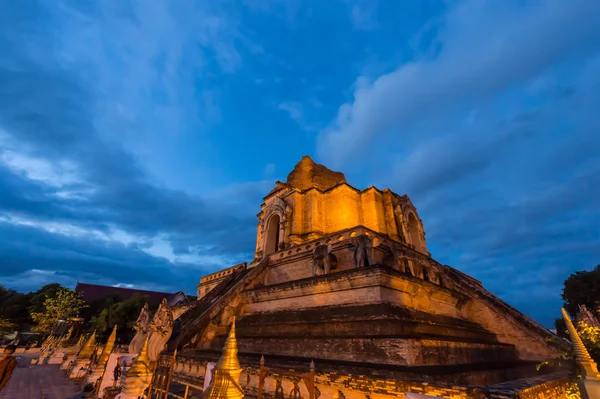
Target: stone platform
(39, 381)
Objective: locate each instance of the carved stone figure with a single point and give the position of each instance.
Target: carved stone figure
(362, 250)
(400, 259)
(141, 329)
(160, 330)
(321, 263)
(399, 218)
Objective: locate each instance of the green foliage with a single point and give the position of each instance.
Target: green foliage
(582, 288)
(99, 322)
(590, 336)
(64, 304)
(122, 313)
(36, 299)
(6, 325)
(566, 358)
(561, 328)
(16, 306)
(53, 302)
(13, 307)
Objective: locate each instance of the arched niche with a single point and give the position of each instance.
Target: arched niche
(272, 234)
(414, 235)
(333, 261)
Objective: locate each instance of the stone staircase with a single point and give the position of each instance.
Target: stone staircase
(196, 319)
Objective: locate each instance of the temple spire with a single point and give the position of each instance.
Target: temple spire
(110, 344)
(139, 376)
(226, 374)
(88, 348)
(229, 360)
(141, 364)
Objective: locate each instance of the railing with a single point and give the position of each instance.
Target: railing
(307, 378)
(190, 390)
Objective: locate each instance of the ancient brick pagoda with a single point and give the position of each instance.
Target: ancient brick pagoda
(343, 277)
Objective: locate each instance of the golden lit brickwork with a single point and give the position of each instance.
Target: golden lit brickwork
(354, 386)
(342, 276)
(315, 202)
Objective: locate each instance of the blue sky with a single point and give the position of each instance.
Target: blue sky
(137, 138)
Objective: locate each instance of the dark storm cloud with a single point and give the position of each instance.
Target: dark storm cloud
(49, 111)
(516, 203)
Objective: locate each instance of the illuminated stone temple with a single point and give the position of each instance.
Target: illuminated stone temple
(342, 277)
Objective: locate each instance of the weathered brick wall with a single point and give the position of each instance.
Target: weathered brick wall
(530, 339)
(357, 387)
(393, 351)
(354, 286)
(529, 346)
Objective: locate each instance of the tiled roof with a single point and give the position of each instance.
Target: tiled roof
(92, 292)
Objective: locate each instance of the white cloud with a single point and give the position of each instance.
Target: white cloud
(53, 174)
(159, 246)
(296, 112)
(124, 285)
(113, 235)
(197, 255)
(486, 46)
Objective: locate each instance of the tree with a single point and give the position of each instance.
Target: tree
(122, 313)
(36, 299)
(590, 335)
(63, 305)
(6, 325)
(582, 288)
(561, 328)
(13, 306)
(99, 322)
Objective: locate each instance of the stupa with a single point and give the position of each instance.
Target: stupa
(343, 276)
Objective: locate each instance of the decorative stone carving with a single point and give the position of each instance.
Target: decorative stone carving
(278, 206)
(363, 247)
(141, 330)
(295, 393)
(400, 258)
(400, 224)
(279, 390)
(321, 263)
(159, 330)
